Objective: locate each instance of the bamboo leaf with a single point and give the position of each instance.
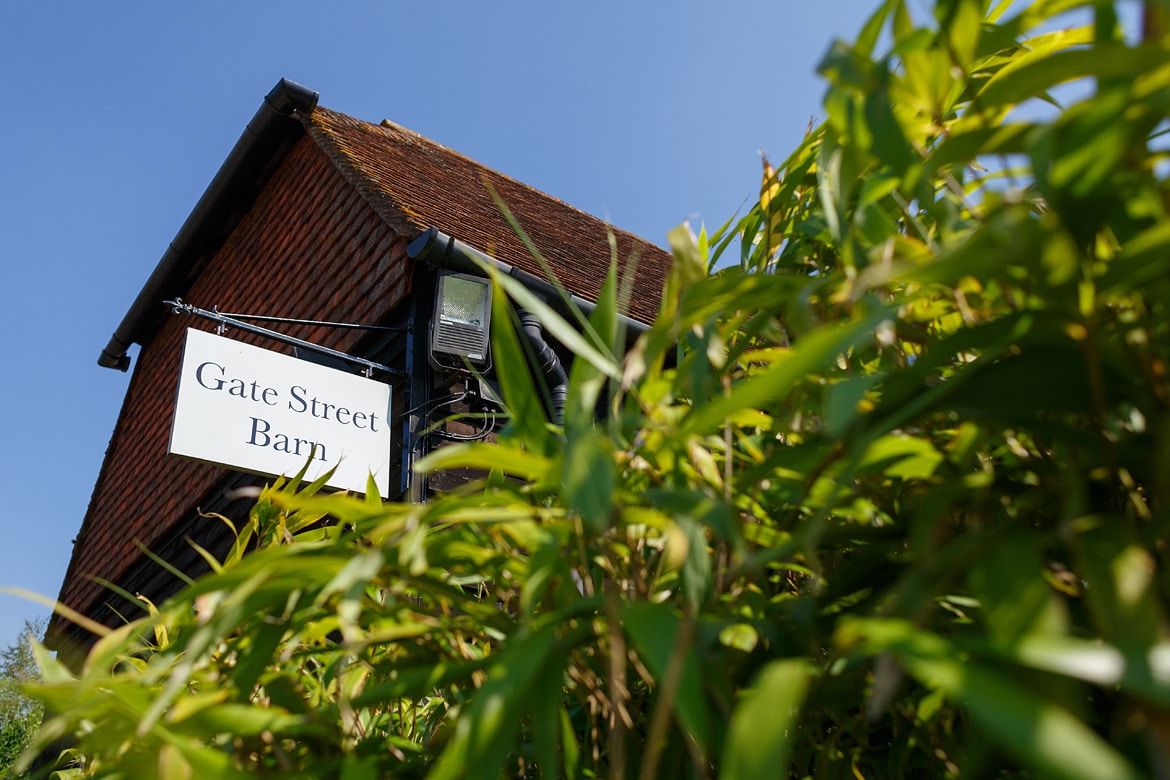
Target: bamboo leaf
(654, 630)
(485, 733)
(589, 479)
(764, 723)
(1040, 733)
(527, 412)
(813, 353)
(1036, 77)
(593, 349)
(477, 455)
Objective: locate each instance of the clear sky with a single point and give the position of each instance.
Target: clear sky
(117, 115)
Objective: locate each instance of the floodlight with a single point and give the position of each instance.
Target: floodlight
(459, 332)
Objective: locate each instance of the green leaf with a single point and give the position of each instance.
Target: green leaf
(1038, 732)
(728, 293)
(241, 720)
(1145, 675)
(589, 479)
(697, 569)
(53, 672)
(1144, 259)
(847, 66)
(765, 722)
(586, 381)
(1015, 599)
(200, 760)
(713, 513)
(1036, 77)
(592, 348)
(965, 145)
(477, 455)
(842, 401)
(1121, 586)
(1038, 381)
(814, 352)
(889, 141)
(521, 397)
(963, 26)
(901, 456)
(360, 768)
(689, 262)
(485, 732)
(1090, 145)
(403, 679)
(654, 630)
(570, 746)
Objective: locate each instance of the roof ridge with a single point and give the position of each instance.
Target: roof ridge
(351, 167)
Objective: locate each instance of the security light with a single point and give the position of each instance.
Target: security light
(459, 332)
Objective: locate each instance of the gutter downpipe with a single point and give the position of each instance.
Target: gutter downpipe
(548, 364)
(247, 156)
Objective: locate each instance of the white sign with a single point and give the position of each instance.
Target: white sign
(260, 411)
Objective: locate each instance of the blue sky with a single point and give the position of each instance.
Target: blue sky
(117, 115)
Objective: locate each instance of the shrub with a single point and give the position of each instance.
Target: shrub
(885, 494)
(20, 714)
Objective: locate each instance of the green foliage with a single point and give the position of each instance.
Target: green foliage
(886, 496)
(20, 714)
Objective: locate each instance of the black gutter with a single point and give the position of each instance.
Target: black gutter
(235, 184)
(439, 249)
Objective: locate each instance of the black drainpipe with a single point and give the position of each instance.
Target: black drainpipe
(548, 364)
(246, 161)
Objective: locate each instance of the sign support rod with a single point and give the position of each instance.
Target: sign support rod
(179, 307)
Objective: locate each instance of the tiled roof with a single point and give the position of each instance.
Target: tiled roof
(415, 184)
